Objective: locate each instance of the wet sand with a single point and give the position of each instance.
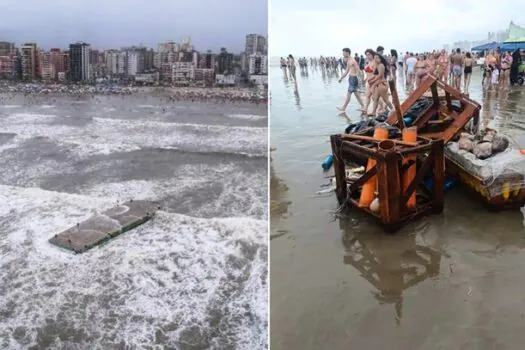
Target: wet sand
(445, 282)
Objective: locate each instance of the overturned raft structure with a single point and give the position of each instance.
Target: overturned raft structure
(101, 228)
(405, 165)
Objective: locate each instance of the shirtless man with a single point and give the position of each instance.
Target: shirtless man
(457, 61)
(352, 70)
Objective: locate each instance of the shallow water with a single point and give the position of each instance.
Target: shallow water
(194, 277)
(451, 281)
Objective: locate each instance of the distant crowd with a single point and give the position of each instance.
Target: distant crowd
(374, 68)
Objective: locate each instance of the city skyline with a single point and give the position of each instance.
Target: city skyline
(169, 62)
(210, 25)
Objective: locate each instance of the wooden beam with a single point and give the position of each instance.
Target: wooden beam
(339, 169)
(414, 96)
(397, 106)
(363, 179)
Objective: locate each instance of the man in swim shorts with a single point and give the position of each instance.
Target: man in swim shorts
(352, 70)
(457, 68)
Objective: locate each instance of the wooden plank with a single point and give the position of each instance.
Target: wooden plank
(422, 120)
(101, 228)
(397, 106)
(459, 123)
(394, 188)
(439, 175)
(416, 95)
(363, 179)
(339, 168)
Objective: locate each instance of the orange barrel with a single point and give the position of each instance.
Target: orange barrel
(410, 135)
(369, 188)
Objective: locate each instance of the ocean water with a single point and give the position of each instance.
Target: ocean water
(194, 277)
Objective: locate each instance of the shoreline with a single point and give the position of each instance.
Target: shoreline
(171, 92)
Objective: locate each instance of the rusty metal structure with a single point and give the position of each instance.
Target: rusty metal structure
(389, 171)
(436, 125)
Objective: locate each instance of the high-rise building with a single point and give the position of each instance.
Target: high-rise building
(79, 69)
(29, 61)
(149, 60)
(255, 43)
(258, 65)
(207, 60)
(47, 70)
(58, 62)
(7, 66)
(135, 62)
(93, 56)
(224, 62)
(183, 73)
(7, 48)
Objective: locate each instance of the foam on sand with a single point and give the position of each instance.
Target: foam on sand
(134, 291)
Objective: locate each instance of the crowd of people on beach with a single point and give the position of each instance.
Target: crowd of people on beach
(374, 69)
(218, 95)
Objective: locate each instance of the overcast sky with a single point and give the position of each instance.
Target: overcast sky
(115, 23)
(313, 27)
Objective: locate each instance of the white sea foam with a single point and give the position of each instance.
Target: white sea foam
(247, 116)
(104, 136)
(47, 106)
(10, 106)
(170, 281)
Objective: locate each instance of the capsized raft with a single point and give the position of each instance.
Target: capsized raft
(102, 227)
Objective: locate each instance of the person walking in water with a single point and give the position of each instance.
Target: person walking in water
(352, 70)
(457, 68)
(467, 71)
(291, 66)
(410, 72)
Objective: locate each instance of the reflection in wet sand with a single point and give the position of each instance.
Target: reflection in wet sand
(391, 264)
(279, 203)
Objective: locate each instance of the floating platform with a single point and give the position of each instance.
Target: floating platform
(105, 226)
(499, 181)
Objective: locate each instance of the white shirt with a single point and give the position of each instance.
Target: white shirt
(411, 63)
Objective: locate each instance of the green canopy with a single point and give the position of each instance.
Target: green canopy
(516, 34)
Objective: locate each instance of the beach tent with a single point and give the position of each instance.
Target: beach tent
(490, 46)
(515, 39)
(512, 46)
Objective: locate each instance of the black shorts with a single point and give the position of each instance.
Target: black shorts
(400, 64)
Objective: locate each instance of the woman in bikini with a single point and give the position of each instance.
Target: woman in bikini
(467, 72)
(431, 63)
(379, 85)
(506, 62)
(441, 65)
(421, 69)
(370, 78)
(393, 63)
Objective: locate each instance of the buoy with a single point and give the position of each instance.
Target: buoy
(369, 188)
(327, 162)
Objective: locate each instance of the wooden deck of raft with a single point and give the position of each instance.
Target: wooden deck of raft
(105, 226)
